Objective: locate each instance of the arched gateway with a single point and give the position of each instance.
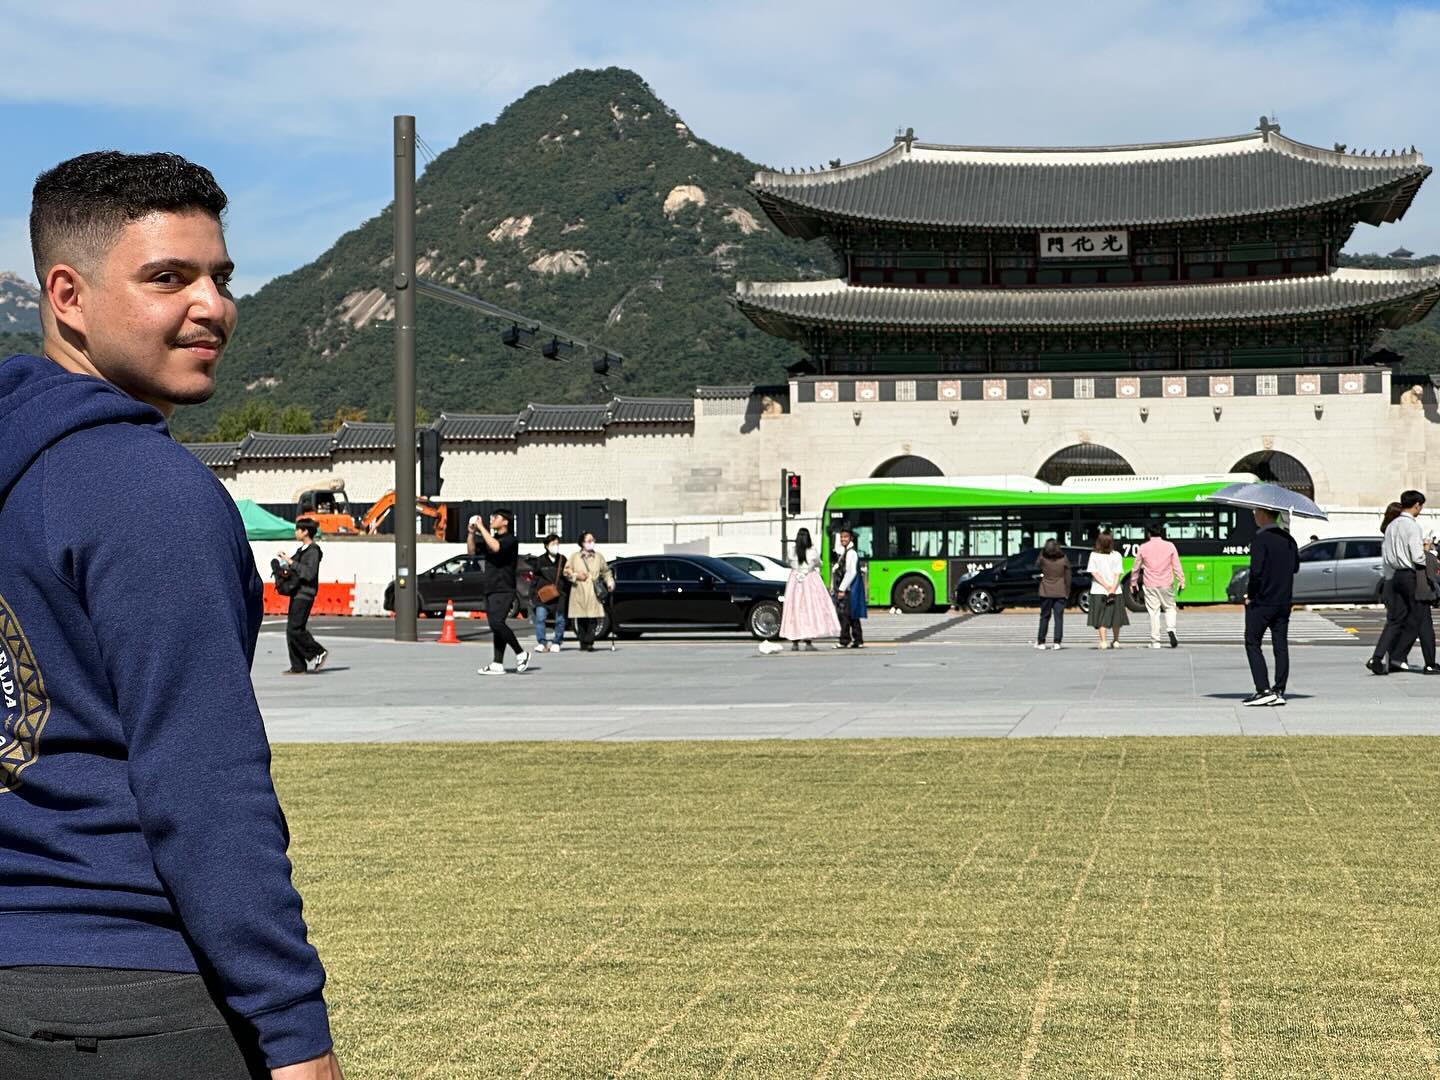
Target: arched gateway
(908, 465)
(1083, 459)
(1273, 467)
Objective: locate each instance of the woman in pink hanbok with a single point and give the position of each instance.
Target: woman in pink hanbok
(809, 612)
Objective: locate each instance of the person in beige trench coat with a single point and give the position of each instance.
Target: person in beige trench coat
(583, 569)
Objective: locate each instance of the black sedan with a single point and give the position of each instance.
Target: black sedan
(459, 579)
(1016, 581)
(692, 592)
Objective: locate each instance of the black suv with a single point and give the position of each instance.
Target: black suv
(1017, 581)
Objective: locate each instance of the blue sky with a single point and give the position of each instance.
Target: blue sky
(290, 104)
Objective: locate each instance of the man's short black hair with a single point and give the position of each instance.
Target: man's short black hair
(80, 206)
(551, 539)
(1411, 498)
(1154, 529)
(508, 515)
(309, 526)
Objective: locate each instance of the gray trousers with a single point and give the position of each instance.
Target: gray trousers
(59, 1023)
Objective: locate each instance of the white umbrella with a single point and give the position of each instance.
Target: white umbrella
(1268, 497)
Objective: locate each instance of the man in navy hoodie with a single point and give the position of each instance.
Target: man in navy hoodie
(148, 923)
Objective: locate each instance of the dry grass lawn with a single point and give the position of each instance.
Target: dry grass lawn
(877, 910)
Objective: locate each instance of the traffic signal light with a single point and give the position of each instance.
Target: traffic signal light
(792, 493)
(430, 478)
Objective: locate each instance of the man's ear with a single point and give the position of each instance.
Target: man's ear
(66, 289)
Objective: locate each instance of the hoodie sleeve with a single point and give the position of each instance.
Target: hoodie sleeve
(159, 559)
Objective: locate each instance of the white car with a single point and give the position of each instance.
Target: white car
(764, 567)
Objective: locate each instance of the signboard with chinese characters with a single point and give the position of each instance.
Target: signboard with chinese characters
(1112, 244)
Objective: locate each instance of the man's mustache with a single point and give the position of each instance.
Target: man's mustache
(215, 337)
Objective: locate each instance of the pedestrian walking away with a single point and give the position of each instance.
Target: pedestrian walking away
(549, 595)
(150, 921)
(298, 576)
(1107, 606)
(1055, 576)
(848, 589)
(808, 612)
(591, 583)
(1269, 595)
(1158, 576)
(1401, 565)
(1427, 592)
(501, 551)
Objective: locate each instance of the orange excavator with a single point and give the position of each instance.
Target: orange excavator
(377, 514)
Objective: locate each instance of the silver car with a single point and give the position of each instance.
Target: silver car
(1342, 570)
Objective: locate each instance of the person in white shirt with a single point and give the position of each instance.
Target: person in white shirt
(1107, 602)
(849, 590)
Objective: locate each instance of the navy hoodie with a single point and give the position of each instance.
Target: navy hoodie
(139, 827)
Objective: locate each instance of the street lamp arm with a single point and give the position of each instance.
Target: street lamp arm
(495, 311)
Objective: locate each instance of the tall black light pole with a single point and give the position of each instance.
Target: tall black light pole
(406, 598)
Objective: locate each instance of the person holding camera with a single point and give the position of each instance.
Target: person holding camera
(591, 583)
(502, 552)
(298, 577)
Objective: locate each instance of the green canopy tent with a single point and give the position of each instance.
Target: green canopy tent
(260, 524)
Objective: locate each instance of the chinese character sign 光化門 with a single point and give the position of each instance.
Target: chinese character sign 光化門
(1108, 244)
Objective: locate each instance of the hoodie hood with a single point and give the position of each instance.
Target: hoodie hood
(41, 403)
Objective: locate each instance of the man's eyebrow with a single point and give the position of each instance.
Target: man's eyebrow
(159, 265)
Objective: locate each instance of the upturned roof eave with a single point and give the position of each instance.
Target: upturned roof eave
(1416, 303)
(793, 217)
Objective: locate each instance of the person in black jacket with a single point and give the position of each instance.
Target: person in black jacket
(549, 569)
(1274, 560)
(306, 654)
(502, 554)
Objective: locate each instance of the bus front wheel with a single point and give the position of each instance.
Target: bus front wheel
(913, 594)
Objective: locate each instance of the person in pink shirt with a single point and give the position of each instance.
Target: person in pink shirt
(1158, 572)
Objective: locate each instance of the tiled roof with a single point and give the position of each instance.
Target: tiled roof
(258, 445)
(1091, 187)
(564, 418)
(363, 435)
(724, 393)
(217, 455)
(1411, 293)
(652, 410)
(477, 427)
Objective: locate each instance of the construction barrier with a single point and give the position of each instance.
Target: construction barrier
(333, 598)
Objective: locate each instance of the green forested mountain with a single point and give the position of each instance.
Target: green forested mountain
(587, 204)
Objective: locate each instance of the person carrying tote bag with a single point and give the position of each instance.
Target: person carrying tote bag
(591, 582)
(1107, 604)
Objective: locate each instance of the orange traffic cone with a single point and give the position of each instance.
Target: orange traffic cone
(448, 636)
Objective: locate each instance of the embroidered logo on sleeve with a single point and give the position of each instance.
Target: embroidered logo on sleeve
(24, 708)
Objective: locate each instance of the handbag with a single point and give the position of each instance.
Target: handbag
(287, 582)
(550, 591)
(602, 591)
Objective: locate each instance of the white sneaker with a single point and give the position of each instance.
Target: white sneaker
(1154, 645)
(491, 668)
(522, 661)
(1039, 645)
(319, 661)
(555, 646)
(1053, 645)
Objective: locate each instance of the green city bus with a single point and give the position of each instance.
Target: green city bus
(919, 537)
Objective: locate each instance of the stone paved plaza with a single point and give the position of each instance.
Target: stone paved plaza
(988, 683)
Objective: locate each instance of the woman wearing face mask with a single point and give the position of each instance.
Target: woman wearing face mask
(551, 592)
(583, 570)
